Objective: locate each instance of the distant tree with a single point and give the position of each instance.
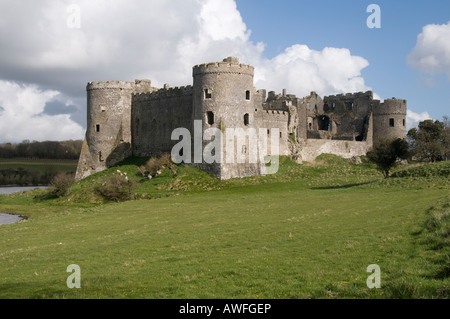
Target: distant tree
(386, 153)
(47, 149)
(428, 141)
(446, 138)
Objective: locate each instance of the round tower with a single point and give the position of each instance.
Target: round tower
(389, 120)
(109, 122)
(223, 95)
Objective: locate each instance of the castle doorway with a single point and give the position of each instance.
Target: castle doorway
(324, 123)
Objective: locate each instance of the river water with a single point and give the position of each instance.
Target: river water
(6, 219)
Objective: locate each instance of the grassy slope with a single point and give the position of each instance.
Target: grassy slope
(307, 232)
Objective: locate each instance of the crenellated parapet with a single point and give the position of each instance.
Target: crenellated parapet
(110, 85)
(175, 92)
(229, 65)
(391, 106)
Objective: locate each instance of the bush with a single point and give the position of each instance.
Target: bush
(60, 184)
(116, 188)
(156, 164)
(441, 169)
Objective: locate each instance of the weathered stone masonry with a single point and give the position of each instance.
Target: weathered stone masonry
(135, 119)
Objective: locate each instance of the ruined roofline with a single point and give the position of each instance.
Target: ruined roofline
(350, 95)
(395, 100)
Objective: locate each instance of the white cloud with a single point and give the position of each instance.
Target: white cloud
(432, 51)
(413, 119)
(131, 39)
(301, 70)
(22, 116)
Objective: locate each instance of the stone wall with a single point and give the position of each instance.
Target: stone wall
(310, 149)
(155, 115)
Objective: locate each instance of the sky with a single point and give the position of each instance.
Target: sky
(50, 49)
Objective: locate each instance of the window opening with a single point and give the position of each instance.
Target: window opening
(210, 117)
(246, 119)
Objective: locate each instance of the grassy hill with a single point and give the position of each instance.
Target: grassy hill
(309, 231)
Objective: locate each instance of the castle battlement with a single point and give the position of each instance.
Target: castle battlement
(229, 65)
(391, 106)
(105, 85)
(164, 93)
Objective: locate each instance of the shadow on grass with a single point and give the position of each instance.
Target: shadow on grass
(34, 290)
(344, 186)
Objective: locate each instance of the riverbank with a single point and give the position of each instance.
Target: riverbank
(6, 219)
(6, 190)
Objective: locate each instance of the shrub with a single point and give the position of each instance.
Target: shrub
(116, 188)
(143, 170)
(441, 169)
(60, 184)
(156, 164)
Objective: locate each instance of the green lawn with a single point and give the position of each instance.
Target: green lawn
(39, 164)
(310, 231)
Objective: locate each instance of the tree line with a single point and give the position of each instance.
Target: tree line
(23, 177)
(42, 150)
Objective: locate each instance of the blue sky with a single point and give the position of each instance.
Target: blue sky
(342, 24)
(51, 49)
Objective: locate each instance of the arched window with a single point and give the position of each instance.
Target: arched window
(246, 119)
(210, 117)
(247, 95)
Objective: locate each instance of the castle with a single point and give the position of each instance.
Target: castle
(135, 119)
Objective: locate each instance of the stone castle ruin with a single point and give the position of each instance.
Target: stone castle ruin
(135, 119)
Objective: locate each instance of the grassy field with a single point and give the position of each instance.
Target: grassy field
(38, 164)
(309, 231)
